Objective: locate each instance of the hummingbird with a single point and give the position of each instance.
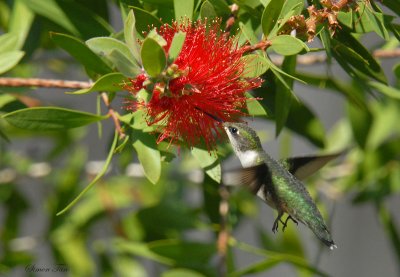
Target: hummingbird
(278, 184)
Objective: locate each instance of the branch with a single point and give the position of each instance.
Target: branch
(113, 114)
(45, 83)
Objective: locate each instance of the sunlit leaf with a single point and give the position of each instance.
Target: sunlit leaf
(109, 82)
(209, 162)
(153, 57)
(130, 36)
(148, 154)
(270, 15)
(287, 45)
(183, 9)
(10, 59)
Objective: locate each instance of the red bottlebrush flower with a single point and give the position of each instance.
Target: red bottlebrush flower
(207, 85)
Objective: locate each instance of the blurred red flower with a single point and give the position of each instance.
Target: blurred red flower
(209, 86)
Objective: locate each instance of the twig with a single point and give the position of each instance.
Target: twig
(45, 83)
(223, 235)
(262, 45)
(113, 114)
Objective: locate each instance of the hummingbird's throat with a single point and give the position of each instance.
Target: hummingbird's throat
(248, 158)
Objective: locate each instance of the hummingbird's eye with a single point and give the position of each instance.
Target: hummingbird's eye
(233, 130)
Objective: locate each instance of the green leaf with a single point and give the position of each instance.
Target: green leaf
(148, 155)
(207, 10)
(8, 42)
(270, 16)
(130, 36)
(287, 45)
(176, 46)
(20, 22)
(387, 90)
(277, 72)
(209, 162)
(10, 59)
(81, 53)
(248, 33)
(144, 20)
(254, 107)
(361, 121)
(292, 5)
(284, 97)
(98, 176)
(52, 11)
(74, 17)
(186, 254)
(354, 53)
(346, 18)
(396, 70)
(103, 46)
(304, 122)
(109, 82)
(4, 136)
(183, 9)
(181, 272)
(394, 5)
(153, 57)
(377, 22)
(123, 64)
(50, 118)
(256, 65)
(141, 250)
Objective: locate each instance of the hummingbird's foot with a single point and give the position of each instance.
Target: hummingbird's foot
(286, 221)
(276, 222)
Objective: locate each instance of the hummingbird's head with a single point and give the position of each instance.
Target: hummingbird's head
(242, 137)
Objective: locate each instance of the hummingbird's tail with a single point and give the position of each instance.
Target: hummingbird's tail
(322, 232)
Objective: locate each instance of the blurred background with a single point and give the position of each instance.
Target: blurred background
(126, 226)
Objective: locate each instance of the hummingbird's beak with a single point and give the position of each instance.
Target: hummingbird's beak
(211, 115)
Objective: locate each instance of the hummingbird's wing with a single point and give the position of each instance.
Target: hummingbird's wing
(303, 167)
(251, 177)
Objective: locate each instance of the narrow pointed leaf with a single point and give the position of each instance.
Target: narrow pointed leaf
(270, 15)
(20, 22)
(50, 118)
(81, 53)
(98, 176)
(284, 97)
(144, 20)
(109, 82)
(130, 36)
